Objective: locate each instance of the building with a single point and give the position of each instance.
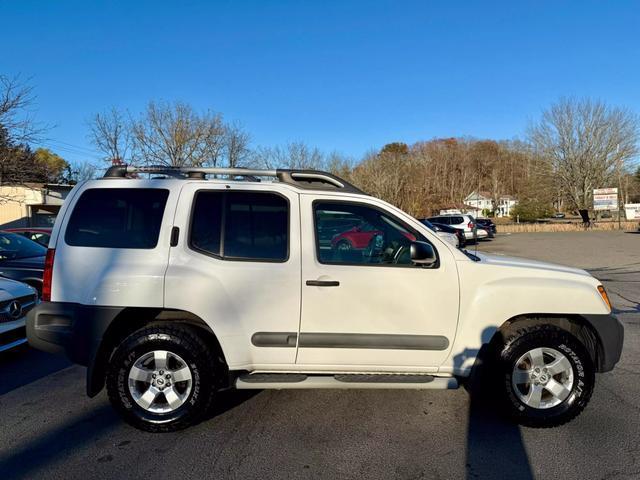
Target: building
(31, 205)
(482, 204)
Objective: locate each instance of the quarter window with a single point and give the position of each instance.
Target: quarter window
(117, 218)
(357, 234)
(241, 225)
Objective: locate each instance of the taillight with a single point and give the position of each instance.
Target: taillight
(470, 225)
(48, 275)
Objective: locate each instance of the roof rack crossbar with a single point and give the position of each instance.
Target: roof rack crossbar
(306, 179)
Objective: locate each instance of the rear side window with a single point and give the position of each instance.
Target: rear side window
(241, 225)
(117, 218)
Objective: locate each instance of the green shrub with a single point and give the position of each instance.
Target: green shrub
(530, 210)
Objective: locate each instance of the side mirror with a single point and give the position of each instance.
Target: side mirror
(422, 253)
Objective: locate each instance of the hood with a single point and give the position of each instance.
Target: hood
(10, 289)
(28, 262)
(505, 261)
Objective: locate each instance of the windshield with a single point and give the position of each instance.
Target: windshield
(14, 246)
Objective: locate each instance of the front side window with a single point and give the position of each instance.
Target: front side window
(117, 218)
(349, 234)
(241, 225)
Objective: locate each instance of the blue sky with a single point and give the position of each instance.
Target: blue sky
(341, 75)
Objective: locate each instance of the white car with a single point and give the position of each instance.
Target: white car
(481, 233)
(172, 289)
(448, 236)
(16, 299)
(463, 222)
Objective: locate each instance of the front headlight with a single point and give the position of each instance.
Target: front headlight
(605, 297)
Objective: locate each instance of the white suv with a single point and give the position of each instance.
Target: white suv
(463, 222)
(172, 289)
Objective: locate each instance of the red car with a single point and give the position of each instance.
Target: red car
(359, 237)
(39, 235)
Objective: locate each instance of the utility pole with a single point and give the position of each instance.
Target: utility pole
(619, 186)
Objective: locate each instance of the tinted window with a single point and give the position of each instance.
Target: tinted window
(206, 226)
(368, 236)
(117, 218)
(14, 246)
(255, 225)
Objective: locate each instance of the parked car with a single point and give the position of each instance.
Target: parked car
(463, 222)
(481, 233)
(22, 259)
(360, 237)
(488, 225)
(558, 215)
(16, 299)
(171, 290)
(452, 235)
(39, 235)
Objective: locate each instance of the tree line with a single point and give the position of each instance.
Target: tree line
(576, 145)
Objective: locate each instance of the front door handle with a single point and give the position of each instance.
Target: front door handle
(323, 283)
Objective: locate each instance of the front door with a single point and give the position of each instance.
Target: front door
(365, 307)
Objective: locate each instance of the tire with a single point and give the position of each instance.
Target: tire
(562, 396)
(344, 246)
(191, 397)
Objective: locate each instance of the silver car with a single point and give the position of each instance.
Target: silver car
(16, 299)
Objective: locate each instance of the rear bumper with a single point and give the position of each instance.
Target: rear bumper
(73, 329)
(610, 333)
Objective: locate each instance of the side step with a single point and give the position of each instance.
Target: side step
(281, 381)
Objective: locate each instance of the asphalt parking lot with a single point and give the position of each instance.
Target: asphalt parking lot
(50, 429)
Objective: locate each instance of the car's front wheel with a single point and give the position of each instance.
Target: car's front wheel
(161, 378)
(548, 376)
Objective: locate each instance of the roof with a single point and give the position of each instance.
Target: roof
(301, 179)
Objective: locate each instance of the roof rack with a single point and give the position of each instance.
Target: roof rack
(306, 179)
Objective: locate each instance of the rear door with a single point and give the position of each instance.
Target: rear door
(236, 265)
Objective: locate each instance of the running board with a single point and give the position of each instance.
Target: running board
(281, 381)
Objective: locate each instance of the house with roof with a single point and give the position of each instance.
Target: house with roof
(482, 203)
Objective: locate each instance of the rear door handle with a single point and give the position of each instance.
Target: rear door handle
(323, 283)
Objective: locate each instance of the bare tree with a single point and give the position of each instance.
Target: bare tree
(588, 144)
(110, 132)
(16, 100)
(236, 145)
(292, 155)
(174, 134)
(18, 164)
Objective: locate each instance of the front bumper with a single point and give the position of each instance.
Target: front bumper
(12, 334)
(610, 332)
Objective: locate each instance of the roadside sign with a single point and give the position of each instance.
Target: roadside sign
(632, 211)
(605, 199)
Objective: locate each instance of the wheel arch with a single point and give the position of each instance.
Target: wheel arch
(575, 324)
(131, 319)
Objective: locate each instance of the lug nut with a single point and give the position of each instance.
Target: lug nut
(168, 384)
(168, 376)
(161, 372)
(154, 375)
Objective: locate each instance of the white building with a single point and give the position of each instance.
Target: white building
(482, 203)
(31, 205)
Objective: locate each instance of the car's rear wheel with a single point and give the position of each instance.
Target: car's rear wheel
(161, 378)
(548, 376)
(344, 246)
